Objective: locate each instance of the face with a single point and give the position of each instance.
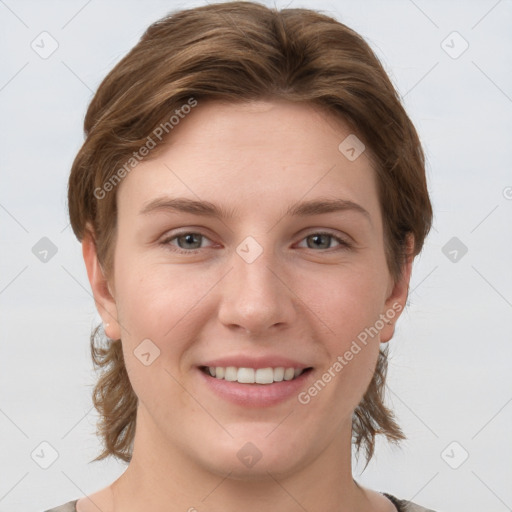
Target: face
(271, 283)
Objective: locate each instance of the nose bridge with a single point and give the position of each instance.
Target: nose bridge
(253, 296)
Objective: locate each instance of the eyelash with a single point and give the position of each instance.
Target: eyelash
(344, 245)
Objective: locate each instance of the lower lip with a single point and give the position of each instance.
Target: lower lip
(256, 395)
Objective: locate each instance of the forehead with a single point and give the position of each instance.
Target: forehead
(252, 155)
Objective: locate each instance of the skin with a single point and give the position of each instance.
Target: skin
(296, 299)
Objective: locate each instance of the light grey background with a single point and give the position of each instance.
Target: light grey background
(449, 377)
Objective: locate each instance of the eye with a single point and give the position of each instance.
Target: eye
(322, 239)
(188, 242)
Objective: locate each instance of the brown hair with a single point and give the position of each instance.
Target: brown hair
(236, 52)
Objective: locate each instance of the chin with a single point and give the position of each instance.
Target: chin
(254, 457)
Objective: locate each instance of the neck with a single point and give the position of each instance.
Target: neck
(165, 478)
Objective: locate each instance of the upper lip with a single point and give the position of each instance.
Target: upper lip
(244, 361)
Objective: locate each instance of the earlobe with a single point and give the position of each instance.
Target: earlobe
(397, 299)
(101, 290)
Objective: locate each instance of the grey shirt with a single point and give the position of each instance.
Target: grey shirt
(401, 506)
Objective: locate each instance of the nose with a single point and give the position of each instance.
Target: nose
(257, 297)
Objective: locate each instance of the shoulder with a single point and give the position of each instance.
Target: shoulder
(70, 506)
(406, 506)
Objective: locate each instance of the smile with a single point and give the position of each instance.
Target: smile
(253, 375)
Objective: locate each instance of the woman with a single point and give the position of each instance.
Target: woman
(239, 370)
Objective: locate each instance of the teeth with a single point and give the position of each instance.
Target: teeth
(278, 374)
(254, 376)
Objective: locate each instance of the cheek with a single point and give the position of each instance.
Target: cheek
(153, 299)
(153, 308)
(165, 305)
(350, 310)
(349, 302)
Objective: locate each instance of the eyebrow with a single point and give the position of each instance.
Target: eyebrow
(208, 209)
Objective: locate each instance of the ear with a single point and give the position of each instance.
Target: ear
(103, 298)
(397, 295)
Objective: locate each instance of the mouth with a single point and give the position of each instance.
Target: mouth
(262, 387)
(257, 376)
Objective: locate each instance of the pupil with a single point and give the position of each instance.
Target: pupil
(189, 238)
(317, 237)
